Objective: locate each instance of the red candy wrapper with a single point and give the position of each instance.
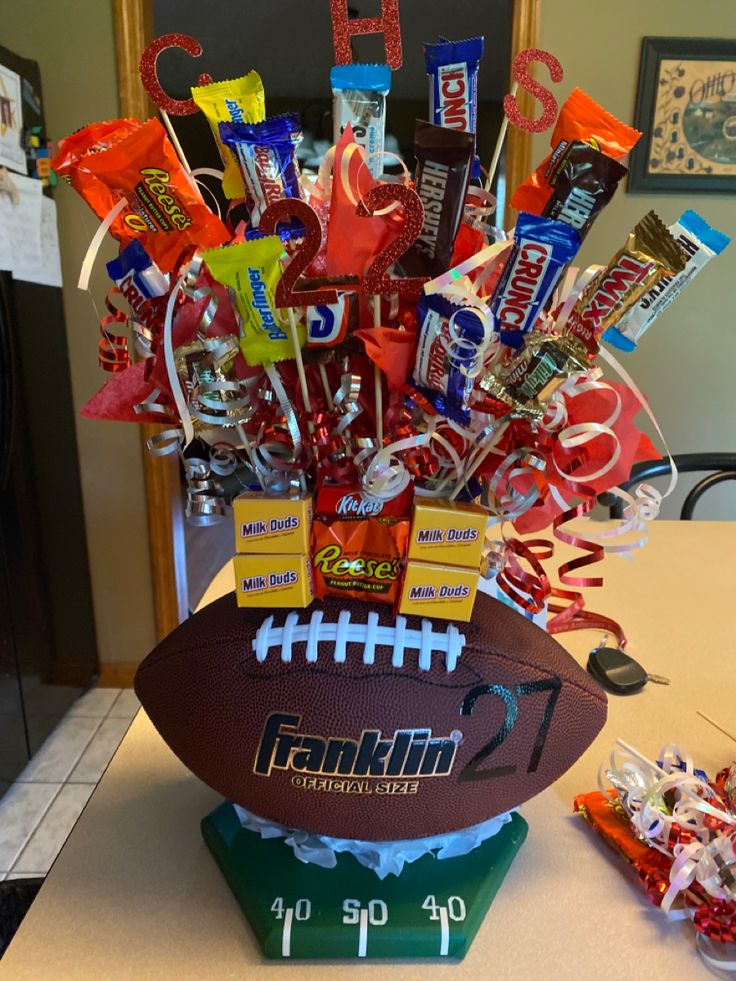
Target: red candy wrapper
(359, 560)
(350, 503)
(166, 213)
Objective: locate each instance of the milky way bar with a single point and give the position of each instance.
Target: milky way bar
(444, 158)
(650, 253)
(542, 248)
(700, 243)
(583, 182)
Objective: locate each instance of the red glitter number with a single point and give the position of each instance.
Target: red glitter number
(388, 24)
(289, 292)
(539, 91)
(377, 282)
(149, 73)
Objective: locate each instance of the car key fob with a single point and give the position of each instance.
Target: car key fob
(616, 671)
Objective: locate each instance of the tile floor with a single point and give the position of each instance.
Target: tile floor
(43, 805)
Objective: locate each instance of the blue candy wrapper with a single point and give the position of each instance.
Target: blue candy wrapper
(266, 153)
(453, 68)
(438, 372)
(360, 99)
(700, 243)
(542, 249)
(138, 278)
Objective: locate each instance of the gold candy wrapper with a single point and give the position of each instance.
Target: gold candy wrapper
(237, 100)
(650, 253)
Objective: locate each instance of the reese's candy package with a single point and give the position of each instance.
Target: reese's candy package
(252, 271)
(580, 120)
(650, 253)
(69, 165)
(236, 100)
(166, 213)
(359, 559)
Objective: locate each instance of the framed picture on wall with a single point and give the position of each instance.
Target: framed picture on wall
(686, 109)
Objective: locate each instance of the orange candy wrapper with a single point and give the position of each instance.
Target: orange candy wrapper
(359, 559)
(71, 157)
(583, 120)
(166, 213)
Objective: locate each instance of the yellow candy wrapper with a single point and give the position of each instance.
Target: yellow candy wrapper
(252, 271)
(237, 100)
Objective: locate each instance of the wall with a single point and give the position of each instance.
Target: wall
(686, 362)
(74, 44)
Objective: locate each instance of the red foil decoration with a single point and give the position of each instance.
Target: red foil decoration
(289, 292)
(377, 282)
(149, 73)
(539, 91)
(388, 24)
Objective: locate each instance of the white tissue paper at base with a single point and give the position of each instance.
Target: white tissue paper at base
(382, 857)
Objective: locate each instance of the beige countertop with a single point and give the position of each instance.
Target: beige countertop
(135, 894)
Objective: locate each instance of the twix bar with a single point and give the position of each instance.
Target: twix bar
(650, 253)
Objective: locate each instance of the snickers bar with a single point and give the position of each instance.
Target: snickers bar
(700, 243)
(650, 253)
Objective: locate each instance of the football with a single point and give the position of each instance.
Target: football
(346, 720)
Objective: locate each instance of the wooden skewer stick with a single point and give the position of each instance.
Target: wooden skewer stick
(716, 726)
(299, 361)
(378, 377)
(499, 144)
(175, 140)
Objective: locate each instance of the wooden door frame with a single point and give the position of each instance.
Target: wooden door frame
(133, 31)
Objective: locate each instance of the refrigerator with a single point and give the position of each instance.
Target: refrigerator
(48, 649)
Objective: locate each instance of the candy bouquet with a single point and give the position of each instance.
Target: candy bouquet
(370, 368)
(675, 827)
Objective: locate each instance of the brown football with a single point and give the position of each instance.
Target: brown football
(346, 720)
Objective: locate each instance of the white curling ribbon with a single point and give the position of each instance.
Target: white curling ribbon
(384, 479)
(94, 246)
(482, 258)
(180, 400)
(567, 307)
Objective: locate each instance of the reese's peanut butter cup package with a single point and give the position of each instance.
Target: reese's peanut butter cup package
(236, 100)
(69, 164)
(650, 253)
(580, 120)
(359, 559)
(165, 211)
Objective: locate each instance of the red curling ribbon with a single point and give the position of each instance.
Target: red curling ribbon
(522, 77)
(517, 583)
(380, 199)
(596, 551)
(388, 24)
(112, 349)
(149, 73)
